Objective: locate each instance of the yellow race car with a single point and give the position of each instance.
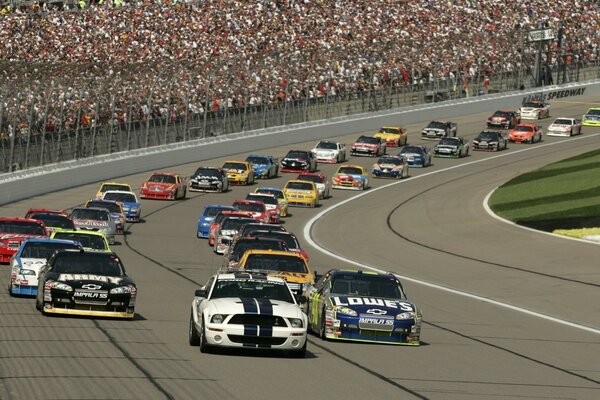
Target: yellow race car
(106, 186)
(301, 193)
(90, 240)
(283, 264)
(279, 194)
(591, 117)
(239, 172)
(394, 136)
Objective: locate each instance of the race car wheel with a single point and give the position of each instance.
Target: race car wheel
(204, 347)
(193, 336)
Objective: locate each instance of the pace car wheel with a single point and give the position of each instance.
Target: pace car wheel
(204, 347)
(193, 336)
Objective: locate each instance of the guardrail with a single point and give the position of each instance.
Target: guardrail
(28, 183)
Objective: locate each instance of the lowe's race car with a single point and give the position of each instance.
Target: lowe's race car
(362, 306)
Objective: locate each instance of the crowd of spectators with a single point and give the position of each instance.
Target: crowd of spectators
(107, 61)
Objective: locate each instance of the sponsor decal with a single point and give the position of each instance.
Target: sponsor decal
(87, 277)
(91, 286)
(556, 94)
(376, 311)
(372, 301)
(91, 295)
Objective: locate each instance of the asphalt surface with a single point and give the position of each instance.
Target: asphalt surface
(508, 313)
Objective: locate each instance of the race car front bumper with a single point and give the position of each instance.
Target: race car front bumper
(24, 290)
(343, 327)
(50, 309)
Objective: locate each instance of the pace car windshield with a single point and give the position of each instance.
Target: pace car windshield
(276, 262)
(89, 241)
(122, 197)
(44, 249)
(366, 285)
(235, 165)
(252, 289)
(257, 160)
(159, 178)
(90, 213)
(27, 228)
(299, 186)
(350, 171)
(327, 145)
(86, 263)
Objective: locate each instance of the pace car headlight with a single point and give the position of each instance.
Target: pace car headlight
(218, 319)
(296, 323)
(406, 315)
(27, 272)
(121, 290)
(61, 286)
(346, 311)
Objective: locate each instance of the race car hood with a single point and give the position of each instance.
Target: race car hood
(388, 166)
(205, 178)
(370, 145)
(298, 191)
(387, 136)
(375, 306)
(127, 205)
(412, 156)
(529, 109)
(260, 167)
(160, 187)
(497, 119)
(446, 147)
(560, 127)
(237, 305)
(90, 223)
(349, 178)
(324, 152)
(16, 236)
(90, 281)
(293, 277)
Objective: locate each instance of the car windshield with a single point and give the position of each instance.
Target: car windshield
(390, 160)
(562, 121)
(411, 149)
(235, 165)
(350, 171)
(160, 178)
(90, 213)
(109, 205)
(593, 111)
(276, 262)
(365, 285)
(212, 211)
(327, 145)
(114, 186)
(93, 264)
(44, 249)
(488, 136)
(449, 142)
(367, 139)
(290, 240)
(207, 172)
(437, 125)
(257, 160)
(271, 200)
(121, 197)
(251, 228)
(298, 155)
(89, 241)
(276, 192)
(251, 289)
(523, 128)
(311, 178)
(242, 245)
(234, 224)
(55, 220)
(295, 185)
(533, 104)
(395, 131)
(253, 207)
(24, 227)
(503, 114)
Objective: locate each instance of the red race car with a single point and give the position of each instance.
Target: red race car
(505, 119)
(15, 230)
(257, 209)
(164, 185)
(52, 219)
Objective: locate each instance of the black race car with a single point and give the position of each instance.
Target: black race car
(490, 141)
(78, 282)
(299, 160)
(209, 179)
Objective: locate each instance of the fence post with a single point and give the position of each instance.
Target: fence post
(46, 108)
(129, 112)
(148, 115)
(13, 135)
(29, 124)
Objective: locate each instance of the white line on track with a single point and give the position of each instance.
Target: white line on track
(308, 228)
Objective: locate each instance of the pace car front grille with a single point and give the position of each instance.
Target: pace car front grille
(257, 340)
(257, 319)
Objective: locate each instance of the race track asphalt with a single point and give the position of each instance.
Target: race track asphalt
(508, 312)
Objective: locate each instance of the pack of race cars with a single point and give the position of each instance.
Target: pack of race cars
(265, 296)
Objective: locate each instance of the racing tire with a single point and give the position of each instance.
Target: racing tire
(193, 337)
(299, 353)
(204, 347)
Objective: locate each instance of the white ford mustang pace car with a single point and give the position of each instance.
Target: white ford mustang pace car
(247, 310)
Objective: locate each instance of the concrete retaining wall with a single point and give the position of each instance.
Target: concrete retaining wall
(24, 184)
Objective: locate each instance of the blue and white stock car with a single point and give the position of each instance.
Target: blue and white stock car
(363, 306)
(264, 166)
(247, 310)
(207, 217)
(26, 263)
(131, 205)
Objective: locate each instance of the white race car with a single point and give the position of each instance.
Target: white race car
(564, 127)
(534, 110)
(250, 311)
(329, 152)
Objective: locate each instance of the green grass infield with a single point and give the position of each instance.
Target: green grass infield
(561, 196)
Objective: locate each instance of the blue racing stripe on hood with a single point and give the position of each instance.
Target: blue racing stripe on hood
(250, 306)
(265, 306)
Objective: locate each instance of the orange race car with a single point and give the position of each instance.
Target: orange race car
(525, 133)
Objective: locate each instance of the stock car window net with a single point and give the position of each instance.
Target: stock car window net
(87, 213)
(22, 227)
(350, 171)
(55, 220)
(299, 186)
(327, 145)
(366, 286)
(122, 197)
(251, 289)
(89, 241)
(236, 166)
(162, 179)
(276, 262)
(87, 264)
(44, 250)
